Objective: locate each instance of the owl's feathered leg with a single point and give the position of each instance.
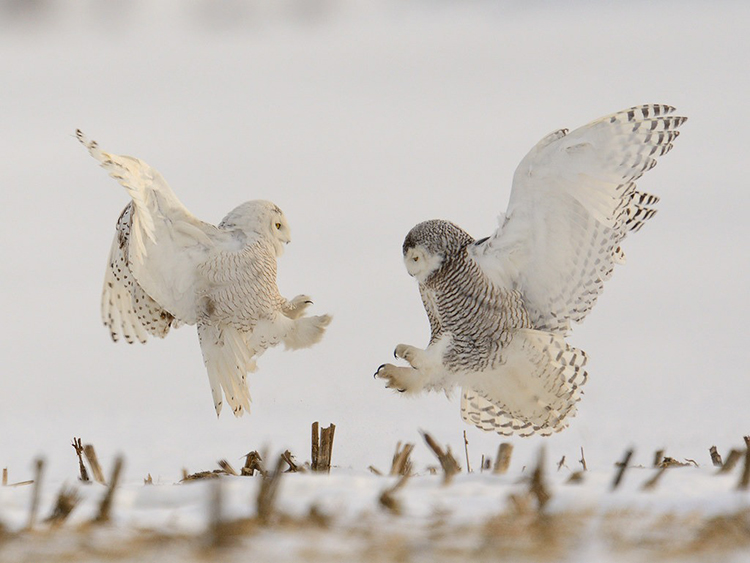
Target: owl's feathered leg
(426, 372)
(405, 380)
(416, 357)
(294, 308)
(306, 331)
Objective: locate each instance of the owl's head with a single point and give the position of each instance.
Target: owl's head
(429, 244)
(262, 218)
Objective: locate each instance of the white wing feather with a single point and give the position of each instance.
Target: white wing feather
(127, 310)
(573, 201)
(117, 302)
(166, 271)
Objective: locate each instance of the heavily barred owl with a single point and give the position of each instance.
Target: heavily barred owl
(499, 308)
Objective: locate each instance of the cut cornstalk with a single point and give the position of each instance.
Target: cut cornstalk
(502, 463)
(621, 468)
(322, 447)
(447, 461)
(105, 506)
(96, 469)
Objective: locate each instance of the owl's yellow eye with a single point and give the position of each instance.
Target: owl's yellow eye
(416, 258)
(278, 225)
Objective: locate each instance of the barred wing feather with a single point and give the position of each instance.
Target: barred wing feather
(574, 199)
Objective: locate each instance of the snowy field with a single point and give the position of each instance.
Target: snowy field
(360, 119)
(680, 513)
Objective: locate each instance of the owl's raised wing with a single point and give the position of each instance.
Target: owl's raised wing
(167, 242)
(127, 310)
(573, 201)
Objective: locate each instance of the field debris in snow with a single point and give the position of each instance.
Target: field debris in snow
(543, 510)
(745, 479)
(447, 461)
(715, 456)
(78, 447)
(96, 469)
(36, 492)
(388, 498)
(253, 463)
(105, 506)
(401, 465)
(291, 462)
(322, 447)
(621, 468)
(67, 499)
(502, 462)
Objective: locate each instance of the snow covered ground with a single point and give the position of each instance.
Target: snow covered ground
(692, 514)
(359, 119)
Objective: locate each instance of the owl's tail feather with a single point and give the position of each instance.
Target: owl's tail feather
(228, 360)
(534, 392)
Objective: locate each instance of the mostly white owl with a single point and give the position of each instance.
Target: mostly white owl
(167, 267)
(500, 307)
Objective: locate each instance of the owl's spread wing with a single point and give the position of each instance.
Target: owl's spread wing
(127, 309)
(573, 201)
(117, 303)
(167, 242)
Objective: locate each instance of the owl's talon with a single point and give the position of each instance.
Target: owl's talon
(397, 378)
(296, 307)
(406, 352)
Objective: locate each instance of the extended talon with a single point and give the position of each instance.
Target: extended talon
(396, 378)
(404, 352)
(392, 385)
(296, 307)
(377, 371)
